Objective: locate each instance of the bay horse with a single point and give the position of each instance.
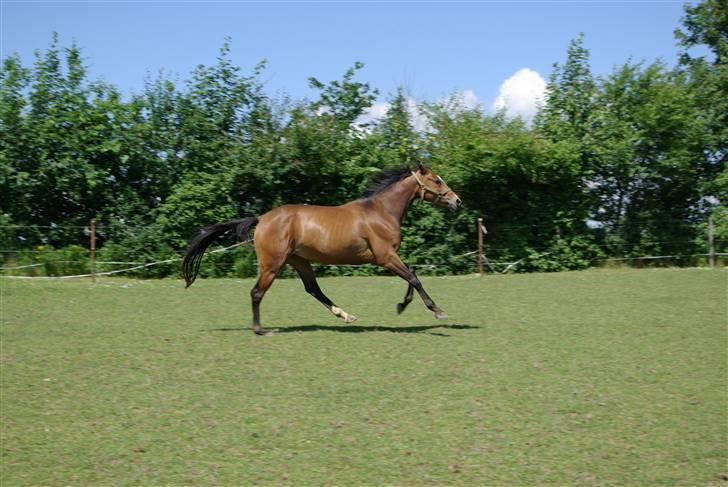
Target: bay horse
(363, 231)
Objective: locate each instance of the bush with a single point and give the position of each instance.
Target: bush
(46, 261)
(142, 244)
(246, 264)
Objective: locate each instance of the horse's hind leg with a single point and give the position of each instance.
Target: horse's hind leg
(272, 248)
(268, 267)
(305, 272)
(407, 297)
(265, 279)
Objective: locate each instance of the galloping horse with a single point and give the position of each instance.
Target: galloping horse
(363, 231)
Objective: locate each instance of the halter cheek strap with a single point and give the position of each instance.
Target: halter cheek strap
(424, 188)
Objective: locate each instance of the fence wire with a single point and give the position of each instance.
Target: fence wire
(508, 266)
(468, 260)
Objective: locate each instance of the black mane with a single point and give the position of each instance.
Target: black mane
(384, 179)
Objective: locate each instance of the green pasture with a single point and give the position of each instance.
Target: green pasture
(601, 377)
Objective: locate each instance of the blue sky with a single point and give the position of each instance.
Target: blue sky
(430, 48)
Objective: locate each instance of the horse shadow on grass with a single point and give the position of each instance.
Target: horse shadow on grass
(426, 329)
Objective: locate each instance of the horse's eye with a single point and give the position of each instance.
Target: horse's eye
(438, 182)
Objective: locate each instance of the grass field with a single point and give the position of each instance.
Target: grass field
(599, 377)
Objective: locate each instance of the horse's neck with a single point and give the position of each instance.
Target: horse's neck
(397, 198)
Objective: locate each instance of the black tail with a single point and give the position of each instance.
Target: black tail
(203, 239)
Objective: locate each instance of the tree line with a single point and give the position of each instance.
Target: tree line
(627, 164)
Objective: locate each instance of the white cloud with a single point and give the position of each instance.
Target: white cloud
(371, 116)
(417, 118)
(455, 103)
(470, 99)
(462, 101)
(374, 113)
(322, 110)
(378, 111)
(521, 94)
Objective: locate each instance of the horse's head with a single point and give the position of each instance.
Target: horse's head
(432, 188)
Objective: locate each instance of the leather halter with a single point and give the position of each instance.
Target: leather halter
(423, 188)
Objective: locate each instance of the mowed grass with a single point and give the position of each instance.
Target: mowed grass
(598, 377)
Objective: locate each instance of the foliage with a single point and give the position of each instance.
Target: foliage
(627, 164)
(343, 101)
(43, 260)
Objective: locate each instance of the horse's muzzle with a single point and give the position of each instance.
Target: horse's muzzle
(454, 204)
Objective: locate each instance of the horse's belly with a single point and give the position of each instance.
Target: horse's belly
(354, 254)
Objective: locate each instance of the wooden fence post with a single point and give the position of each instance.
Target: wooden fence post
(711, 242)
(480, 246)
(93, 250)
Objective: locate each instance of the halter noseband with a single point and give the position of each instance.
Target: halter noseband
(424, 188)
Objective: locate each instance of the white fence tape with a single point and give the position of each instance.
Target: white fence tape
(10, 268)
(508, 265)
(118, 271)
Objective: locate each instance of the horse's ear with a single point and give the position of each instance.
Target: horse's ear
(422, 168)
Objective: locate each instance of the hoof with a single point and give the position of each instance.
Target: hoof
(440, 315)
(265, 332)
(400, 308)
(343, 314)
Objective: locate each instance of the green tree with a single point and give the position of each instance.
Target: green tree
(397, 132)
(63, 175)
(627, 164)
(648, 138)
(344, 100)
(570, 96)
(14, 138)
(706, 25)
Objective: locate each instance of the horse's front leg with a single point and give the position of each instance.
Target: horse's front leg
(407, 297)
(395, 264)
